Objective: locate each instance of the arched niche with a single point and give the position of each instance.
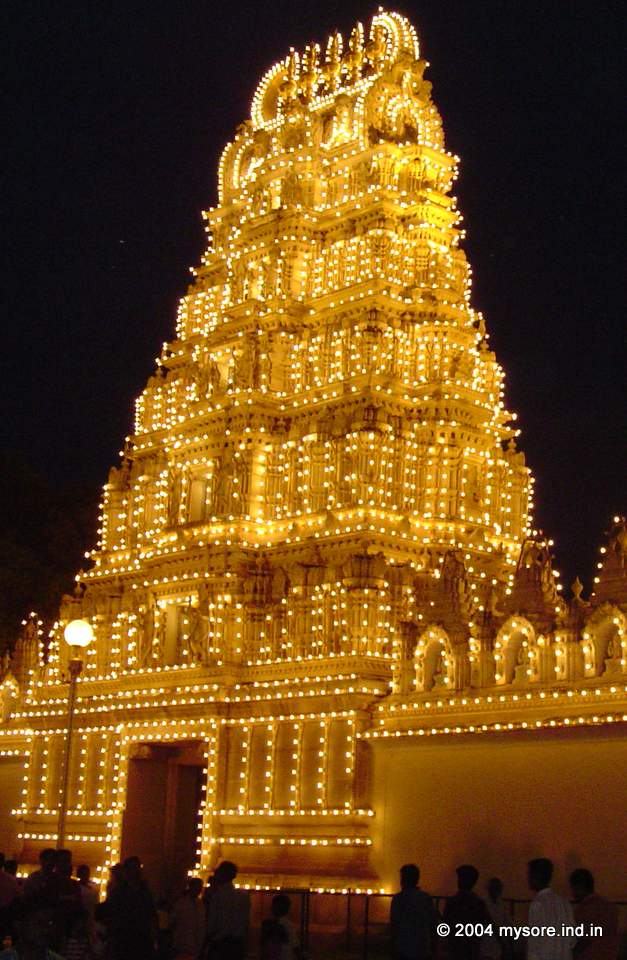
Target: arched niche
(604, 642)
(514, 650)
(433, 660)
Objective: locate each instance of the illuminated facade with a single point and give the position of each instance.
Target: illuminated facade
(319, 535)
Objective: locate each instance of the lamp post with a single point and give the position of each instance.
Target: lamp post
(78, 634)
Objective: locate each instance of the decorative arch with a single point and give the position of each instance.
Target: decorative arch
(433, 660)
(514, 651)
(604, 642)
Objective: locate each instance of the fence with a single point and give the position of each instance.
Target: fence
(355, 926)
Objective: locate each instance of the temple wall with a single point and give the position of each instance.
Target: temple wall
(497, 801)
(11, 785)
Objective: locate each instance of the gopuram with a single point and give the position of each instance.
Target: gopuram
(328, 637)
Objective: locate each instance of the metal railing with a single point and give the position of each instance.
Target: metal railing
(355, 926)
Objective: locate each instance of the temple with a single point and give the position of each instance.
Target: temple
(328, 636)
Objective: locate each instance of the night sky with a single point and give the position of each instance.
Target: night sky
(118, 113)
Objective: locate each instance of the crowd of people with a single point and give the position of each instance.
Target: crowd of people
(474, 928)
(56, 914)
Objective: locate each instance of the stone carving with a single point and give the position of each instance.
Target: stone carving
(196, 632)
(145, 632)
(291, 193)
(231, 484)
(175, 484)
(9, 697)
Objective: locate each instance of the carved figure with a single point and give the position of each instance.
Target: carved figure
(145, 632)
(158, 644)
(197, 633)
(291, 190)
(8, 697)
(310, 72)
(174, 500)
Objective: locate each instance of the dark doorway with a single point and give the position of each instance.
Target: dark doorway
(161, 817)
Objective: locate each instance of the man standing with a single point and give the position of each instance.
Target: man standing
(493, 946)
(188, 921)
(412, 918)
(9, 892)
(466, 907)
(228, 916)
(89, 891)
(130, 916)
(548, 910)
(592, 911)
(38, 880)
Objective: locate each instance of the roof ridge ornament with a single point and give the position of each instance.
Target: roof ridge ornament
(302, 77)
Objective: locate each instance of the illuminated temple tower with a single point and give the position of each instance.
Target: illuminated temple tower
(318, 536)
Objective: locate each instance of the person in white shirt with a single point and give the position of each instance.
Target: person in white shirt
(280, 909)
(188, 922)
(548, 909)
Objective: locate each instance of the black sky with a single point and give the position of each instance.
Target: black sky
(118, 112)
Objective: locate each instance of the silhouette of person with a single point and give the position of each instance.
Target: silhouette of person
(413, 918)
(278, 934)
(188, 921)
(592, 910)
(493, 946)
(38, 879)
(547, 909)
(130, 915)
(465, 907)
(34, 925)
(228, 917)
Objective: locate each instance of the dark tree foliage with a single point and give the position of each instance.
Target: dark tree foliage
(44, 533)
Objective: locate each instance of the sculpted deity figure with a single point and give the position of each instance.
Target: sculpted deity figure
(119, 477)
(201, 378)
(355, 54)
(237, 485)
(266, 265)
(145, 632)
(246, 367)
(333, 61)
(174, 500)
(9, 693)
(196, 633)
(338, 127)
(613, 655)
(158, 639)
(375, 50)
(461, 365)
(309, 72)
(439, 674)
(291, 192)
(258, 199)
(213, 376)
(453, 567)
(221, 486)
(289, 87)
(264, 363)
(280, 584)
(5, 663)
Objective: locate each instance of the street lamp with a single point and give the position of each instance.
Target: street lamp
(78, 634)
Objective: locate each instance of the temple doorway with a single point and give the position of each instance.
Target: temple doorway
(162, 814)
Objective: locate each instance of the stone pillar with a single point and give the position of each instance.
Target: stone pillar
(461, 668)
(257, 484)
(403, 672)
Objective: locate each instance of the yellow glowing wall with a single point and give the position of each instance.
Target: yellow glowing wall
(499, 801)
